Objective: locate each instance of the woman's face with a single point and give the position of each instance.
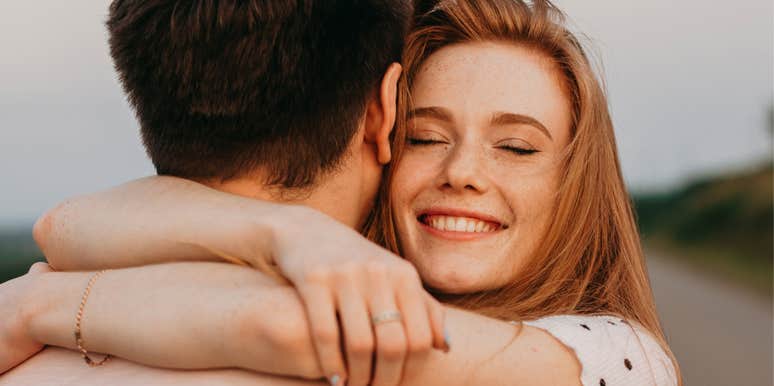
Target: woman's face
(474, 191)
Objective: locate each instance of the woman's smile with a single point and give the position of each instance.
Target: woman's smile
(458, 224)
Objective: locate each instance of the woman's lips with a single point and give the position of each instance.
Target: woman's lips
(457, 227)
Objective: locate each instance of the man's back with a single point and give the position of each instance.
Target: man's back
(59, 367)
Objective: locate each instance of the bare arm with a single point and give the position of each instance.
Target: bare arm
(159, 212)
(492, 352)
(339, 274)
(59, 367)
(175, 219)
(183, 315)
(206, 317)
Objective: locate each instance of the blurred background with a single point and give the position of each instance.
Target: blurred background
(690, 85)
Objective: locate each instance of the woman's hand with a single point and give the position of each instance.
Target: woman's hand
(338, 273)
(180, 220)
(15, 345)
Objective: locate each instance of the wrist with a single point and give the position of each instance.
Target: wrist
(24, 303)
(49, 306)
(277, 229)
(270, 333)
(16, 345)
(34, 306)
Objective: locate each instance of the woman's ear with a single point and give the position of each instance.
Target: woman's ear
(381, 113)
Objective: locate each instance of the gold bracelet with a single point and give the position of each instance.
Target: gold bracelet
(78, 336)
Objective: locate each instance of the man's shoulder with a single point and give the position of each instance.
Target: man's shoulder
(60, 367)
(56, 366)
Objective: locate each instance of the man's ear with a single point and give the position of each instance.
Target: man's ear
(381, 113)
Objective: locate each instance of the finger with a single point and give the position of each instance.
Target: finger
(325, 332)
(416, 319)
(437, 313)
(358, 334)
(416, 323)
(40, 267)
(390, 337)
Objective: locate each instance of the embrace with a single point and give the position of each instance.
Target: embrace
(362, 192)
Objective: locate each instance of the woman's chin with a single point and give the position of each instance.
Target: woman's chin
(453, 282)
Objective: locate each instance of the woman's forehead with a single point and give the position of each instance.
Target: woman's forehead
(474, 80)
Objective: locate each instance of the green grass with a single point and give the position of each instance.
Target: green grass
(721, 224)
(720, 262)
(17, 252)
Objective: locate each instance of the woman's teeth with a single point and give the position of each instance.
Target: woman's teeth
(459, 224)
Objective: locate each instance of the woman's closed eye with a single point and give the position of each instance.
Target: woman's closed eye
(422, 141)
(517, 147)
(519, 150)
(425, 138)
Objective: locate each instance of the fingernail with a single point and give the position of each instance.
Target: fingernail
(335, 378)
(446, 340)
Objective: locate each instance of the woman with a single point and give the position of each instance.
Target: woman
(506, 196)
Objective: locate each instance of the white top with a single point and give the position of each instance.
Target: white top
(611, 351)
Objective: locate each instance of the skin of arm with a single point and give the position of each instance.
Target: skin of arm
(180, 234)
(212, 315)
(209, 233)
(15, 343)
(59, 367)
(179, 315)
(337, 272)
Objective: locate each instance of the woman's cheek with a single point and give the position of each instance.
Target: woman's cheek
(418, 168)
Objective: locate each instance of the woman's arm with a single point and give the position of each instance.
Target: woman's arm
(338, 273)
(209, 315)
(183, 315)
(487, 351)
(15, 344)
(177, 219)
(156, 220)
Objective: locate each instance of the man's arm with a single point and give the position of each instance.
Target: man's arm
(59, 367)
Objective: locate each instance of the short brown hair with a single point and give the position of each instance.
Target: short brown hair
(221, 88)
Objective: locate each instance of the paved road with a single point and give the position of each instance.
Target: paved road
(721, 335)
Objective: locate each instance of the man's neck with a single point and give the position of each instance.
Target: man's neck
(335, 197)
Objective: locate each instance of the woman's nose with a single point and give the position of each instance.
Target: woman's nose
(463, 170)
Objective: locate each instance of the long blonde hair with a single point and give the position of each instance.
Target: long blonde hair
(590, 260)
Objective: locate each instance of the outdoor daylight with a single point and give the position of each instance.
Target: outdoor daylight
(487, 211)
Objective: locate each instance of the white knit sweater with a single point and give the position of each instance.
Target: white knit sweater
(611, 351)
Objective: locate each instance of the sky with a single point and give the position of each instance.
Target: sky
(689, 84)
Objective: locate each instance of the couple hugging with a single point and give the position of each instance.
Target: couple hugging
(349, 192)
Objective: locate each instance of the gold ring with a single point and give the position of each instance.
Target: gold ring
(386, 317)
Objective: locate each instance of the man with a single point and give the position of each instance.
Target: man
(287, 101)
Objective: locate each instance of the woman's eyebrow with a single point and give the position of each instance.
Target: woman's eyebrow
(499, 119)
(432, 112)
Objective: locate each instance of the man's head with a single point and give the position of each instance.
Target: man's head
(285, 91)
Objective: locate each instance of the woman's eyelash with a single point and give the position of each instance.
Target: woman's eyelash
(519, 150)
(512, 149)
(420, 142)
